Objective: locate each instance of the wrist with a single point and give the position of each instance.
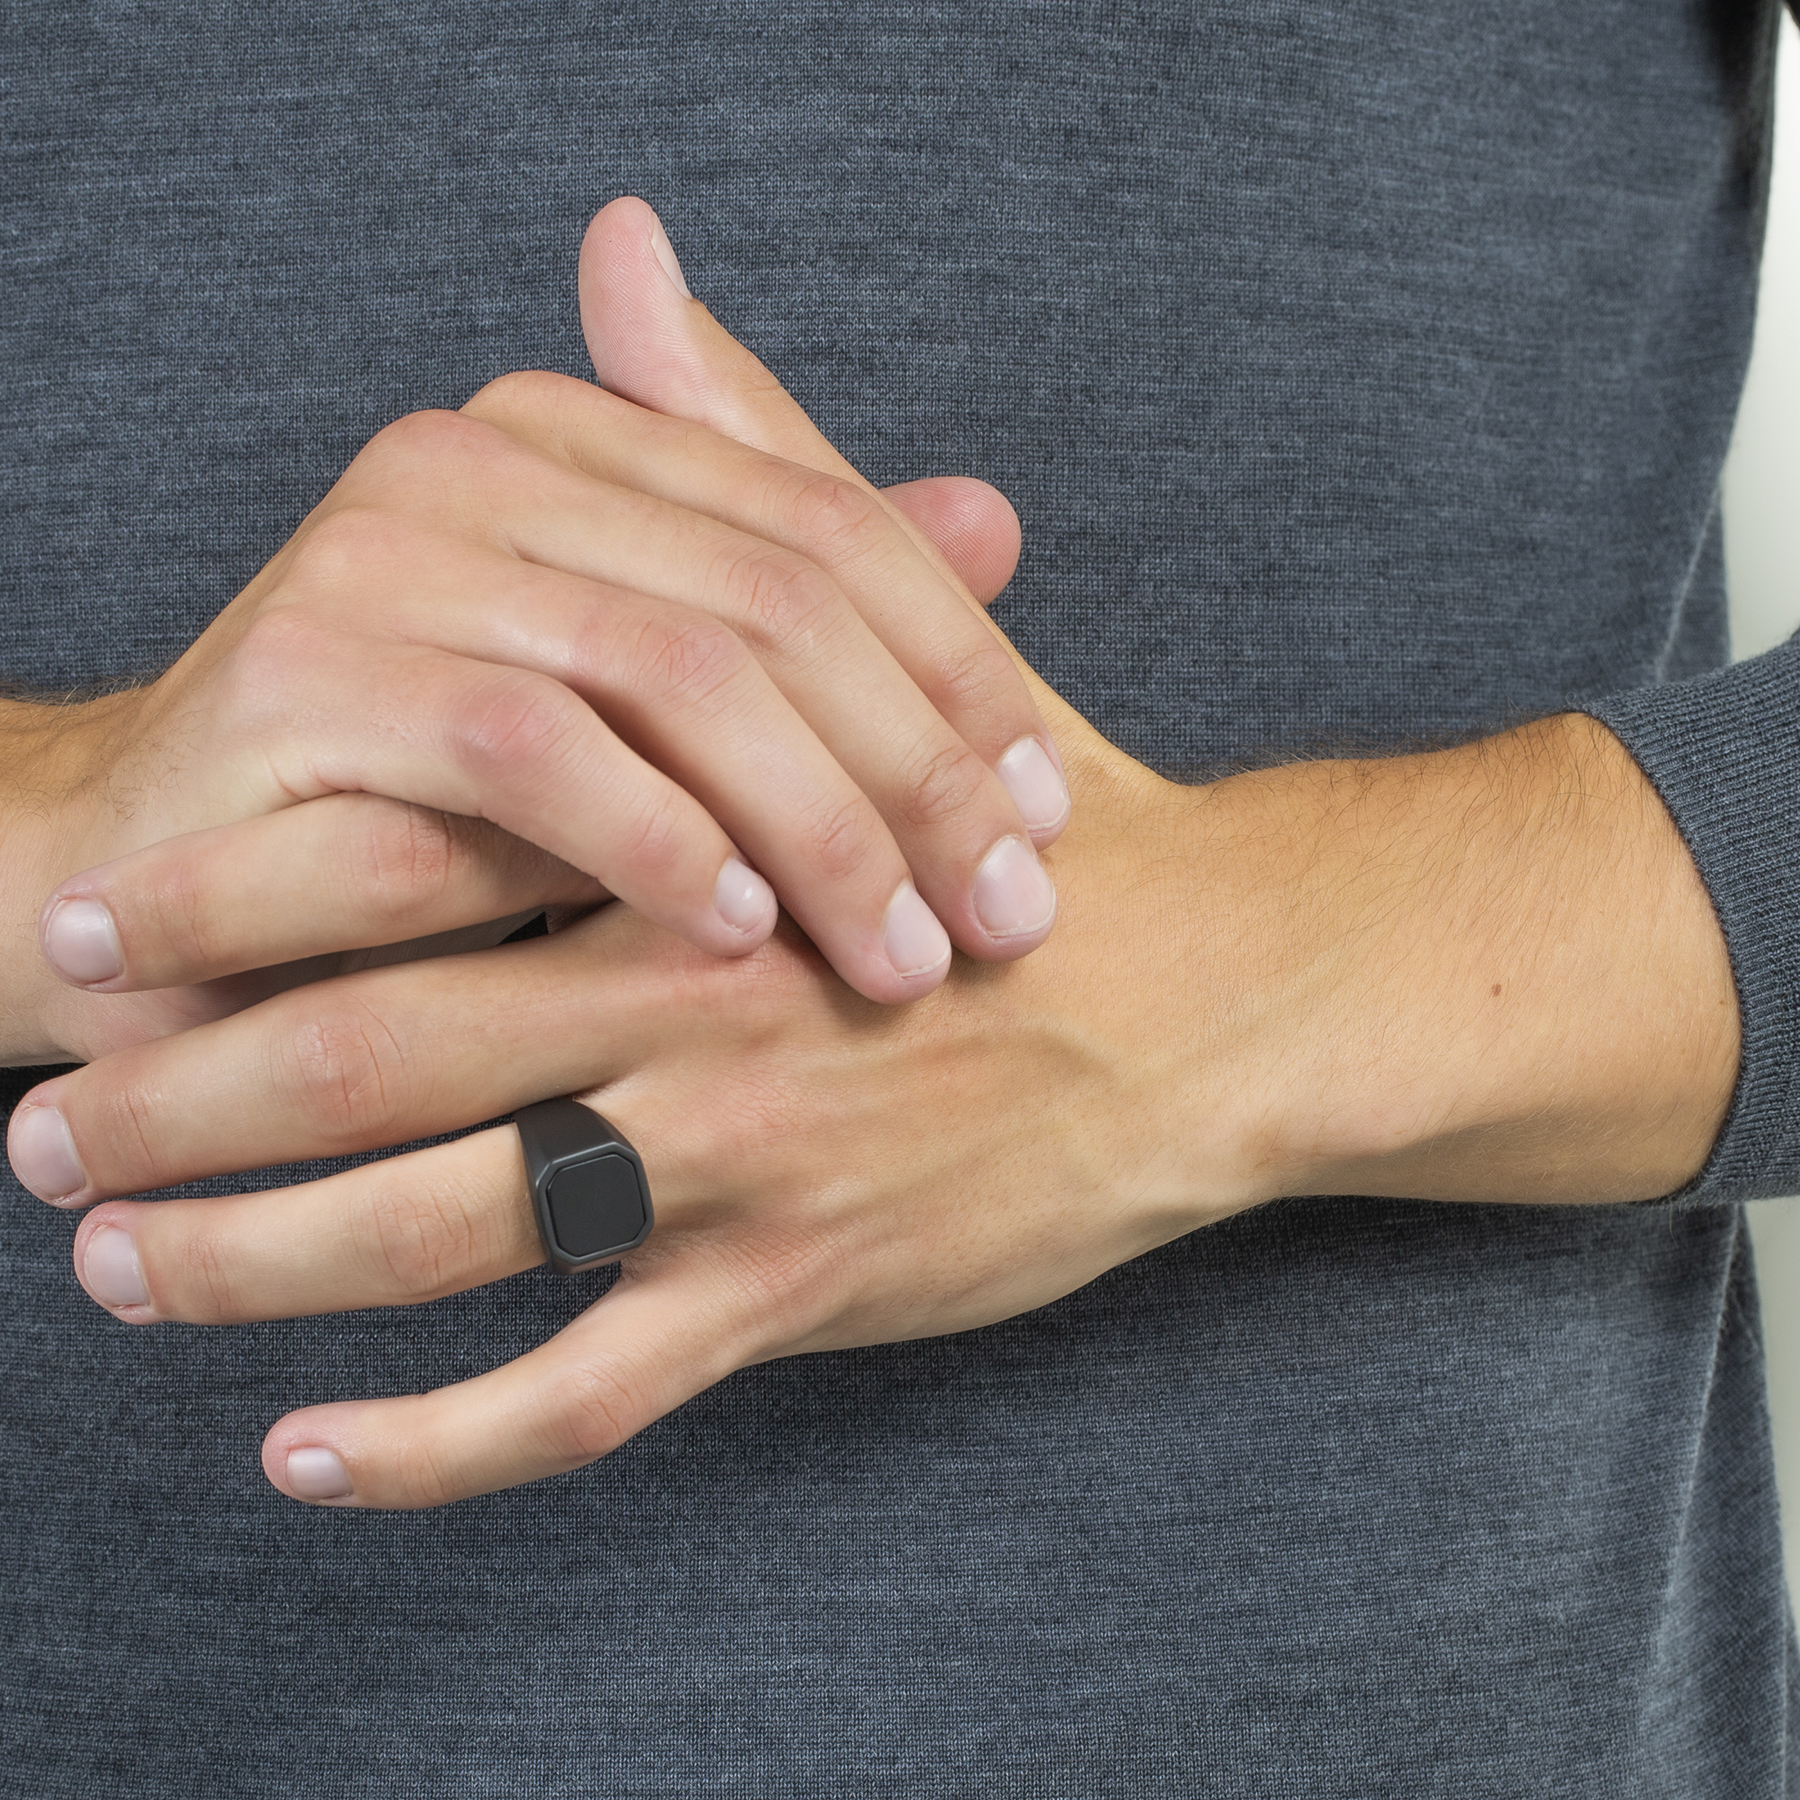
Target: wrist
(1490, 973)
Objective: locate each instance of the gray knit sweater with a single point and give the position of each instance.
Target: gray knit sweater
(1362, 373)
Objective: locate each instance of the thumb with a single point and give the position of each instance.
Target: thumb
(647, 1346)
(654, 344)
(972, 524)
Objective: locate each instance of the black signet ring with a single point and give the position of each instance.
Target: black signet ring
(587, 1185)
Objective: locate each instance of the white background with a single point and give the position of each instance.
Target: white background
(1762, 559)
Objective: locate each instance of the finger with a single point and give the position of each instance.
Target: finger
(652, 344)
(317, 712)
(344, 872)
(698, 715)
(944, 796)
(654, 1341)
(393, 1233)
(922, 619)
(411, 1229)
(695, 713)
(972, 524)
(359, 1062)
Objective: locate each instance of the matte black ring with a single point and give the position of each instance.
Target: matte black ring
(588, 1185)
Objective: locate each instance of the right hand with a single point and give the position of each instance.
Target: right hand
(507, 663)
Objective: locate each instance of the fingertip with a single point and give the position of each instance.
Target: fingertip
(108, 1266)
(1034, 781)
(634, 307)
(917, 986)
(41, 1149)
(747, 905)
(653, 344)
(975, 528)
(310, 1472)
(1049, 837)
(1014, 900)
(79, 940)
(915, 942)
(627, 211)
(668, 261)
(1011, 949)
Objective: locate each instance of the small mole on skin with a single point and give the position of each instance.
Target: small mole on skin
(1496, 990)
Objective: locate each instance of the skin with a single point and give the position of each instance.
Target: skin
(1485, 974)
(682, 670)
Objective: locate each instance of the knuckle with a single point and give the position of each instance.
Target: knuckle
(431, 1473)
(421, 1243)
(429, 437)
(275, 652)
(532, 394)
(404, 856)
(335, 552)
(652, 840)
(348, 1071)
(982, 680)
(446, 472)
(212, 1288)
(127, 1113)
(938, 785)
(696, 659)
(175, 913)
(841, 837)
(784, 600)
(511, 723)
(832, 515)
(599, 1408)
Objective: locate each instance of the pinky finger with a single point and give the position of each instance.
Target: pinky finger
(654, 1341)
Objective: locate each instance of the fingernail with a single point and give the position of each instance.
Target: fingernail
(745, 901)
(81, 942)
(1013, 895)
(318, 1474)
(1038, 791)
(42, 1153)
(916, 943)
(110, 1271)
(664, 252)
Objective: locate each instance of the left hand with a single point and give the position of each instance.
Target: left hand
(1489, 973)
(826, 1171)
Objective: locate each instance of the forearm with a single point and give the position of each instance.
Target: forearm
(1485, 974)
(1280, 984)
(1488, 974)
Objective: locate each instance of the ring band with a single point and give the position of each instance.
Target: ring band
(588, 1186)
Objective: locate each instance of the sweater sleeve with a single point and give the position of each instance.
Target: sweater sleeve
(1723, 750)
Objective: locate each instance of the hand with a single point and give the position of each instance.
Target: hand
(188, 914)
(517, 615)
(1319, 1018)
(1489, 973)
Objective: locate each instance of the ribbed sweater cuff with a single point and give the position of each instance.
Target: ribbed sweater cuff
(1723, 750)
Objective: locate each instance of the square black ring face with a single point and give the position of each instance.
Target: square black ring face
(597, 1208)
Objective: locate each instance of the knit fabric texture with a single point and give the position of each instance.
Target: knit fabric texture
(1362, 375)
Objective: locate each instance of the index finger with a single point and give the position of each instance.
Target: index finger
(920, 615)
